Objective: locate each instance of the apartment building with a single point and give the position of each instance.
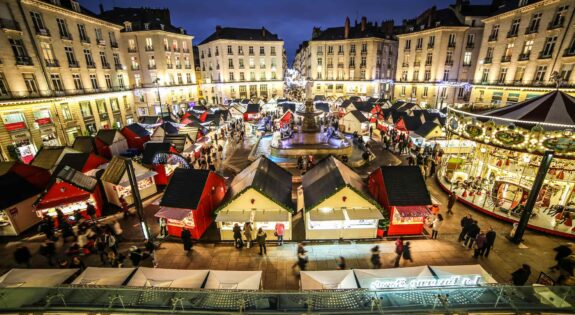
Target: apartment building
(438, 54)
(524, 43)
(160, 59)
(350, 60)
(241, 63)
(302, 60)
(62, 74)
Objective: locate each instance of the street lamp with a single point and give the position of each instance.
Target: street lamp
(157, 84)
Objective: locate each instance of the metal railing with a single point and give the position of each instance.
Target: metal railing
(484, 299)
(67, 92)
(9, 24)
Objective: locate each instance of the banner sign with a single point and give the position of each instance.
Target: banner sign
(426, 282)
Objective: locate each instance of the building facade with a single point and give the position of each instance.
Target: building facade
(160, 60)
(524, 43)
(62, 74)
(350, 60)
(241, 63)
(438, 53)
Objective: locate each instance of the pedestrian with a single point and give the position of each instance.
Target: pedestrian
(47, 227)
(125, 207)
(480, 243)
(238, 242)
(64, 225)
(436, 225)
(111, 242)
(407, 252)
(300, 249)
(472, 233)
(375, 258)
(163, 227)
(118, 231)
(562, 252)
(48, 250)
(91, 211)
(432, 167)
(22, 256)
(520, 276)
(302, 260)
(248, 234)
(135, 256)
(340, 264)
(465, 223)
(398, 251)
(279, 232)
(490, 238)
(101, 248)
(261, 239)
(451, 202)
(187, 239)
(77, 263)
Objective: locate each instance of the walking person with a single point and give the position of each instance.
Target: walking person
(248, 234)
(437, 223)
(520, 276)
(340, 264)
(125, 207)
(300, 250)
(279, 231)
(562, 252)
(407, 252)
(47, 227)
(163, 227)
(466, 222)
(238, 242)
(451, 202)
(398, 251)
(136, 256)
(490, 238)
(302, 260)
(375, 258)
(48, 250)
(187, 239)
(22, 256)
(472, 234)
(480, 243)
(261, 239)
(91, 211)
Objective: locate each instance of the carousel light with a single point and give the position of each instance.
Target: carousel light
(568, 132)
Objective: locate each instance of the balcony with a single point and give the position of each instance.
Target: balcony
(251, 53)
(532, 30)
(272, 53)
(114, 44)
(524, 56)
(407, 49)
(428, 63)
(91, 65)
(6, 24)
(555, 24)
(178, 66)
(186, 51)
(352, 65)
(73, 64)
(23, 61)
(52, 63)
(178, 50)
(492, 37)
(416, 64)
(506, 58)
(569, 52)
(364, 52)
(118, 66)
(106, 65)
(466, 64)
(405, 64)
(190, 67)
(449, 62)
(166, 48)
(470, 46)
(135, 67)
(340, 65)
(85, 40)
(545, 55)
(149, 48)
(43, 32)
(512, 33)
(363, 65)
(330, 66)
(151, 67)
(451, 45)
(132, 49)
(101, 42)
(418, 48)
(340, 53)
(430, 46)
(171, 66)
(488, 60)
(352, 52)
(65, 36)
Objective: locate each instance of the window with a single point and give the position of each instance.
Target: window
(407, 44)
(240, 50)
(273, 51)
(114, 104)
(527, 48)
(108, 81)
(514, 30)
(134, 63)
(175, 46)
(427, 75)
(120, 81)
(252, 63)
(502, 75)
(48, 53)
(274, 75)
(403, 75)
(402, 91)
(262, 50)
(415, 75)
(485, 75)
(30, 82)
(540, 74)
(77, 82)
(262, 63)
(117, 62)
(519, 72)
(149, 44)
(470, 41)
(70, 57)
(189, 78)
(180, 80)
(20, 53)
(467, 58)
(449, 58)
(104, 60)
(152, 62)
(63, 29)
(429, 59)
(82, 33)
(362, 74)
(113, 41)
(351, 49)
(230, 63)
(102, 111)
(340, 49)
(38, 23)
(363, 61)
(363, 48)
(451, 40)
(494, 32)
(241, 61)
(89, 59)
(419, 43)
(131, 45)
(252, 76)
(446, 75)
(425, 91)
(231, 76)
(66, 114)
(522, 3)
(559, 17)
(488, 55)
(86, 109)
(251, 50)
(351, 61)
(534, 23)
(56, 82)
(242, 77)
(549, 46)
(94, 81)
(274, 63)
(566, 71)
(99, 37)
(431, 42)
(230, 52)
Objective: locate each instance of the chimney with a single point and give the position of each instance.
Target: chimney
(218, 29)
(363, 22)
(346, 29)
(263, 32)
(101, 8)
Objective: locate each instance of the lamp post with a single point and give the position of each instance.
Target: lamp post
(157, 84)
(137, 199)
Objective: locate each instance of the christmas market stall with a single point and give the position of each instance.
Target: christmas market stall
(337, 203)
(117, 184)
(96, 276)
(261, 193)
(163, 159)
(110, 142)
(190, 199)
(49, 157)
(252, 112)
(166, 128)
(327, 279)
(17, 197)
(69, 190)
(375, 278)
(83, 162)
(402, 191)
(168, 278)
(136, 136)
(234, 280)
(84, 144)
(496, 174)
(354, 122)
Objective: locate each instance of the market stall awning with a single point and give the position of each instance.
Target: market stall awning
(326, 215)
(234, 216)
(234, 280)
(172, 213)
(327, 279)
(126, 182)
(168, 278)
(104, 276)
(60, 194)
(271, 216)
(364, 214)
(366, 277)
(412, 211)
(35, 278)
(460, 270)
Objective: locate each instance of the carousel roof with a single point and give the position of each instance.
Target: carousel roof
(552, 108)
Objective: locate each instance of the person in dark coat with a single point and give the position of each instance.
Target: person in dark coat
(48, 250)
(375, 258)
(472, 233)
(187, 239)
(238, 241)
(480, 244)
(77, 263)
(490, 237)
(520, 276)
(91, 211)
(465, 224)
(407, 252)
(451, 202)
(136, 256)
(562, 252)
(47, 227)
(22, 256)
(398, 251)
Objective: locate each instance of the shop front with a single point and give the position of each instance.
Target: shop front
(23, 147)
(163, 159)
(16, 199)
(337, 203)
(43, 121)
(496, 173)
(261, 193)
(189, 201)
(117, 184)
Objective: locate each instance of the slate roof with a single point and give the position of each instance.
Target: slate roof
(114, 171)
(358, 115)
(84, 144)
(150, 150)
(178, 141)
(73, 160)
(149, 120)
(265, 176)
(138, 130)
(139, 16)
(234, 33)
(338, 33)
(169, 128)
(509, 5)
(47, 157)
(426, 128)
(412, 123)
(346, 103)
(364, 106)
(185, 188)
(324, 107)
(107, 136)
(405, 186)
(326, 178)
(288, 106)
(77, 178)
(253, 108)
(14, 189)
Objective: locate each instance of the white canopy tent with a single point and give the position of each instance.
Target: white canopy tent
(234, 280)
(442, 271)
(366, 277)
(327, 279)
(104, 276)
(168, 278)
(37, 278)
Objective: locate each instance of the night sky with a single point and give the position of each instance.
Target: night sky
(291, 20)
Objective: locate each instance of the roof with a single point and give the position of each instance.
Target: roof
(107, 136)
(234, 33)
(14, 189)
(150, 150)
(84, 144)
(266, 177)
(509, 5)
(77, 178)
(405, 186)
(169, 128)
(338, 33)
(346, 103)
(139, 17)
(358, 115)
(426, 128)
(138, 130)
(149, 120)
(326, 178)
(364, 106)
(48, 157)
(319, 98)
(178, 141)
(253, 108)
(324, 107)
(553, 108)
(6, 166)
(73, 160)
(185, 188)
(114, 171)
(288, 106)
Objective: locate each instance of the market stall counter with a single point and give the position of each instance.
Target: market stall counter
(117, 184)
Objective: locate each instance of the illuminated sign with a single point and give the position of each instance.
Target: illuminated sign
(426, 282)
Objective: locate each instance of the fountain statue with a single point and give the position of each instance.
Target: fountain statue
(309, 114)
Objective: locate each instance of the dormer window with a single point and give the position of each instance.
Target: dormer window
(75, 6)
(437, 23)
(146, 26)
(522, 3)
(128, 26)
(55, 2)
(162, 26)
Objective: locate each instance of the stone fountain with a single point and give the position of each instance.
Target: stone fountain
(310, 140)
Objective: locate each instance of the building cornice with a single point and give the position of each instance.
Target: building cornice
(315, 41)
(71, 13)
(158, 32)
(78, 98)
(242, 82)
(435, 29)
(520, 10)
(235, 41)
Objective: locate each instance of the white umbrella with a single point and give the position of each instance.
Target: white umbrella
(328, 279)
(104, 276)
(168, 278)
(225, 279)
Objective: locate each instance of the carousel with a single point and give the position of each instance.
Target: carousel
(494, 174)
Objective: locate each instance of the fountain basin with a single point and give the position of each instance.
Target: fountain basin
(309, 143)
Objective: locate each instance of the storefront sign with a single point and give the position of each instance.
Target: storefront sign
(44, 121)
(426, 282)
(15, 126)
